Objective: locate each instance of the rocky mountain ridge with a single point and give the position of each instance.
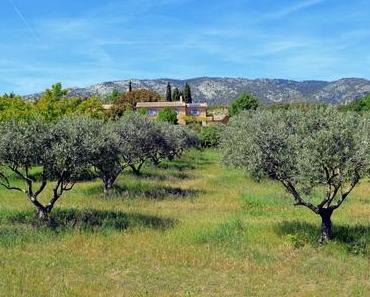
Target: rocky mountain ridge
(224, 90)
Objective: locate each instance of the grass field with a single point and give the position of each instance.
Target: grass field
(188, 228)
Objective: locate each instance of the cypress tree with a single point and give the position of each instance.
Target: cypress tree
(130, 86)
(168, 93)
(187, 94)
(176, 94)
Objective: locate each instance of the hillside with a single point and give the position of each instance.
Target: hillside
(224, 90)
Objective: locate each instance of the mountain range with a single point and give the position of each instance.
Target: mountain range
(224, 90)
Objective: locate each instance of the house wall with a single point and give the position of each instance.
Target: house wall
(199, 112)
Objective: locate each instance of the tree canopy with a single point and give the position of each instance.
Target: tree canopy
(358, 105)
(127, 101)
(168, 92)
(319, 156)
(176, 94)
(60, 151)
(187, 94)
(244, 102)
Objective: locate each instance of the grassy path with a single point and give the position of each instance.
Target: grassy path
(188, 228)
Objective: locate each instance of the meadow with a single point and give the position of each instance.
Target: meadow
(189, 227)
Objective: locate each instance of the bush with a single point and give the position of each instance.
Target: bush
(244, 102)
(168, 115)
(210, 136)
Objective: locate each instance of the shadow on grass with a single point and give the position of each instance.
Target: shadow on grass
(186, 164)
(146, 191)
(356, 239)
(91, 219)
(156, 192)
(24, 227)
(162, 176)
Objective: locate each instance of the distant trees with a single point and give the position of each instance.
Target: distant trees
(176, 94)
(168, 92)
(358, 105)
(244, 102)
(15, 108)
(55, 104)
(92, 107)
(321, 152)
(127, 101)
(187, 94)
(115, 95)
(167, 115)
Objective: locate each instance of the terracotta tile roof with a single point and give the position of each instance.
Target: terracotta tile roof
(197, 105)
(161, 104)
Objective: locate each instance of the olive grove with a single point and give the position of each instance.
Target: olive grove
(35, 155)
(319, 155)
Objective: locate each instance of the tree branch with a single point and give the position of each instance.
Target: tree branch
(297, 197)
(345, 195)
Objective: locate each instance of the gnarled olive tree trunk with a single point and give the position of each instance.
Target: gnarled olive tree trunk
(326, 225)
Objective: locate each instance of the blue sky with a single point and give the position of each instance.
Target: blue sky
(80, 42)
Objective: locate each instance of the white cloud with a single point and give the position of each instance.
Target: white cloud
(301, 5)
(24, 20)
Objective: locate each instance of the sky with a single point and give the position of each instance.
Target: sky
(80, 42)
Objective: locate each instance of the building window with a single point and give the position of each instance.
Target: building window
(152, 112)
(194, 112)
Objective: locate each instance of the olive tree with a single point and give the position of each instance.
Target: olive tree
(58, 153)
(139, 140)
(319, 156)
(106, 154)
(176, 139)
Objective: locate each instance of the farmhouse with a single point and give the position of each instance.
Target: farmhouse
(184, 111)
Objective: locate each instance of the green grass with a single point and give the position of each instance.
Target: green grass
(186, 228)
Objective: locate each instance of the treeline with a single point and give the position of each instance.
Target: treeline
(51, 106)
(248, 101)
(54, 103)
(35, 153)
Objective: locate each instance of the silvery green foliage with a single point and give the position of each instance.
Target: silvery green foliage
(177, 139)
(22, 144)
(61, 150)
(70, 153)
(140, 139)
(106, 153)
(305, 151)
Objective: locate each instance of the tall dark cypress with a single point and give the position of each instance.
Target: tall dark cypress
(168, 92)
(130, 86)
(187, 94)
(176, 94)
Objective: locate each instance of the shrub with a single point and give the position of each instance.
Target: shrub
(244, 102)
(168, 115)
(210, 136)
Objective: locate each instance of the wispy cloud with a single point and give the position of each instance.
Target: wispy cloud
(294, 8)
(24, 20)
